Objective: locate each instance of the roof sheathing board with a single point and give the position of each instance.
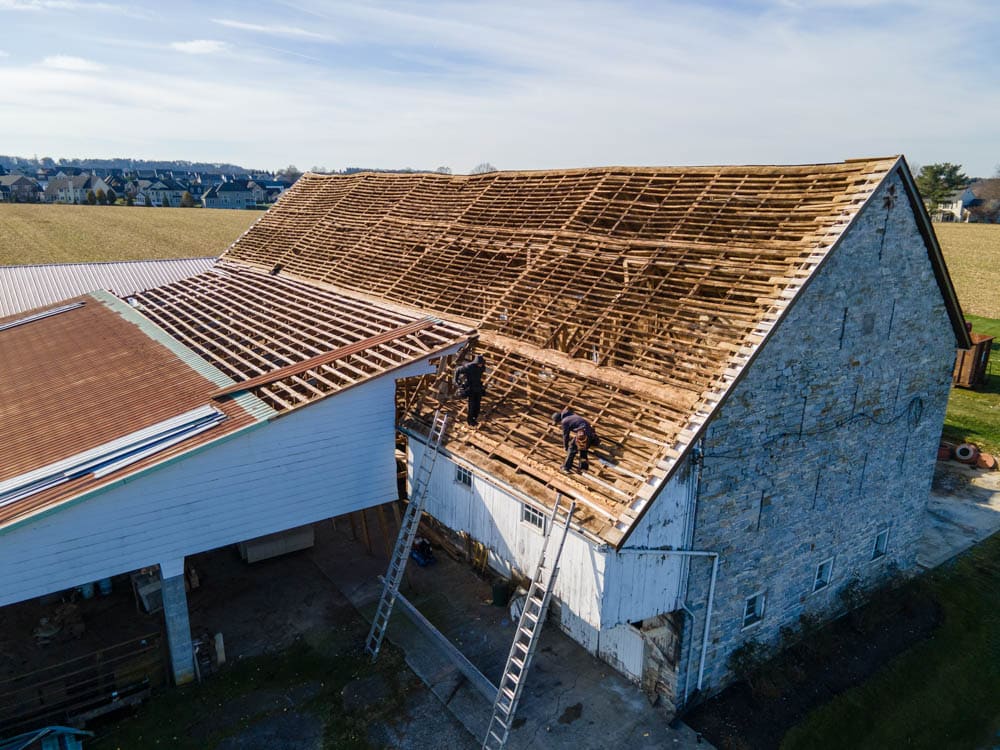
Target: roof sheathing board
(671, 275)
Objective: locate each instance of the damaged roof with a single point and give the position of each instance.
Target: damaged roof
(290, 343)
(636, 296)
(90, 393)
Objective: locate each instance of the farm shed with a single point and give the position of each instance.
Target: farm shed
(123, 448)
(766, 352)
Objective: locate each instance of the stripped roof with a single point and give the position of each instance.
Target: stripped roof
(27, 287)
(291, 343)
(635, 295)
(78, 380)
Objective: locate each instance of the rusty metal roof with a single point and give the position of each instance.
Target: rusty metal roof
(27, 287)
(84, 378)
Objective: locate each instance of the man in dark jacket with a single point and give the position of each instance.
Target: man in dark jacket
(578, 436)
(469, 379)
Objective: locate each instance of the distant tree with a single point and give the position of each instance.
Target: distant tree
(112, 197)
(319, 169)
(102, 197)
(937, 181)
(91, 198)
(289, 174)
(129, 200)
(187, 200)
(483, 168)
(166, 201)
(996, 173)
(443, 170)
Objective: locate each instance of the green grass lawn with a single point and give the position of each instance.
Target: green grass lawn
(943, 693)
(974, 415)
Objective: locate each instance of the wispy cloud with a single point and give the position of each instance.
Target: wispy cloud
(200, 47)
(44, 5)
(75, 64)
(4, 53)
(275, 30)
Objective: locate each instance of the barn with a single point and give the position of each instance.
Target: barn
(765, 351)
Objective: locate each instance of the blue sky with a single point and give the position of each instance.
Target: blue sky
(523, 85)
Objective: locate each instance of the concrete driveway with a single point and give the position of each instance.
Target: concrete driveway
(964, 508)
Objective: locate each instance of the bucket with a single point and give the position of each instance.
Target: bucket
(86, 590)
(104, 586)
(501, 593)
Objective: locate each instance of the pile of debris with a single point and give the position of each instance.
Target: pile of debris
(966, 453)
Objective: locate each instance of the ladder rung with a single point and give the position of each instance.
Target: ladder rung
(494, 734)
(516, 662)
(512, 678)
(521, 646)
(509, 693)
(527, 631)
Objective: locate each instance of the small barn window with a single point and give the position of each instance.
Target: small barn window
(753, 610)
(532, 516)
(824, 572)
(463, 476)
(881, 544)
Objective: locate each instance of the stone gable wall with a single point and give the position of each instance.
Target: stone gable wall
(830, 438)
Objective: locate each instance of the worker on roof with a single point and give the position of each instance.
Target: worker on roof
(469, 379)
(578, 436)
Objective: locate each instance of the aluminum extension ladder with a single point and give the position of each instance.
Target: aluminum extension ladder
(529, 628)
(407, 533)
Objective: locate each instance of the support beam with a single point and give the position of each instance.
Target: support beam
(476, 678)
(175, 614)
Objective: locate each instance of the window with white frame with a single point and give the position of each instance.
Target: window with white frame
(824, 571)
(753, 610)
(463, 476)
(881, 544)
(534, 517)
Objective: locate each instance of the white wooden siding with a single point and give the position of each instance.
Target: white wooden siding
(644, 585)
(492, 516)
(333, 457)
(624, 649)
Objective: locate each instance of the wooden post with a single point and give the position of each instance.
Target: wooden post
(364, 531)
(384, 529)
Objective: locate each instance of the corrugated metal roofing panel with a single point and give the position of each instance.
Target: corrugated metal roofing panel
(27, 287)
(83, 380)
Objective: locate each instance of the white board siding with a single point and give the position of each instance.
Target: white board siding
(624, 649)
(643, 585)
(333, 457)
(492, 516)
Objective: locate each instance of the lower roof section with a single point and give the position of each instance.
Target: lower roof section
(27, 287)
(79, 382)
(292, 343)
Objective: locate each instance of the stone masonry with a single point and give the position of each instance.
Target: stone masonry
(828, 440)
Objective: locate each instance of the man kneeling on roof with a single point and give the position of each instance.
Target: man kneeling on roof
(578, 436)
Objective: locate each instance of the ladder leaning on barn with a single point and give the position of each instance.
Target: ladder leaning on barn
(407, 533)
(529, 628)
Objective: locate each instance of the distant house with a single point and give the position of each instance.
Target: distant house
(165, 191)
(235, 194)
(17, 188)
(73, 189)
(982, 201)
(952, 208)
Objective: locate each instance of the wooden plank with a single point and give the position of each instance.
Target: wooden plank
(476, 678)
